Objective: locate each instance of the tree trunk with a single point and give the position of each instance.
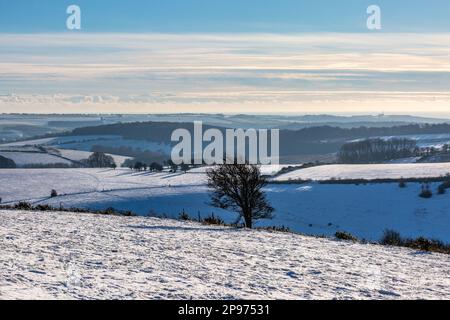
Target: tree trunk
(248, 219)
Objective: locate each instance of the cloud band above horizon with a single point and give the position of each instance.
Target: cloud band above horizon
(160, 73)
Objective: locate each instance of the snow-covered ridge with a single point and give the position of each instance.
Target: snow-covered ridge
(85, 256)
(368, 171)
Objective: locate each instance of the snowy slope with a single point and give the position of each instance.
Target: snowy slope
(368, 171)
(34, 183)
(364, 210)
(78, 155)
(266, 170)
(30, 158)
(73, 148)
(84, 256)
(85, 143)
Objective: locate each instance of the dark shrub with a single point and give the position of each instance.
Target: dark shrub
(23, 206)
(139, 166)
(154, 166)
(53, 193)
(184, 167)
(109, 211)
(44, 207)
(426, 192)
(128, 213)
(444, 186)
(423, 243)
(276, 228)
(184, 216)
(391, 238)
(342, 235)
(213, 220)
(430, 245)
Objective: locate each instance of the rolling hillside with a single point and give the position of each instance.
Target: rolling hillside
(368, 171)
(84, 256)
(310, 208)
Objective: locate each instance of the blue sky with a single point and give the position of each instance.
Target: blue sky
(225, 56)
(274, 16)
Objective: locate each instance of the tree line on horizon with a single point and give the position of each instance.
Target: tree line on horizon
(377, 150)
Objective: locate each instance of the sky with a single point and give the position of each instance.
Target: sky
(265, 56)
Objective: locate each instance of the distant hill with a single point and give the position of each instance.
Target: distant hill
(161, 131)
(319, 140)
(25, 126)
(303, 138)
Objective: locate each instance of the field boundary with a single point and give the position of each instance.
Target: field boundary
(364, 181)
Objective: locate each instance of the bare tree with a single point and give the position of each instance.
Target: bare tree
(239, 187)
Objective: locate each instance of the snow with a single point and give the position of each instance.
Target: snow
(30, 154)
(266, 170)
(5, 148)
(405, 160)
(312, 208)
(78, 155)
(85, 143)
(32, 142)
(28, 158)
(82, 256)
(77, 148)
(270, 170)
(368, 171)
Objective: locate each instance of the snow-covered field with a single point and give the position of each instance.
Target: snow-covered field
(30, 158)
(27, 153)
(368, 171)
(266, 170)
(73, 148)
(313, 208)
(78, 155)
(85, 143)
(83, 256)
(62, 156)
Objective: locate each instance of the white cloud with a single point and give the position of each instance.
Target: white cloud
(223, 72)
